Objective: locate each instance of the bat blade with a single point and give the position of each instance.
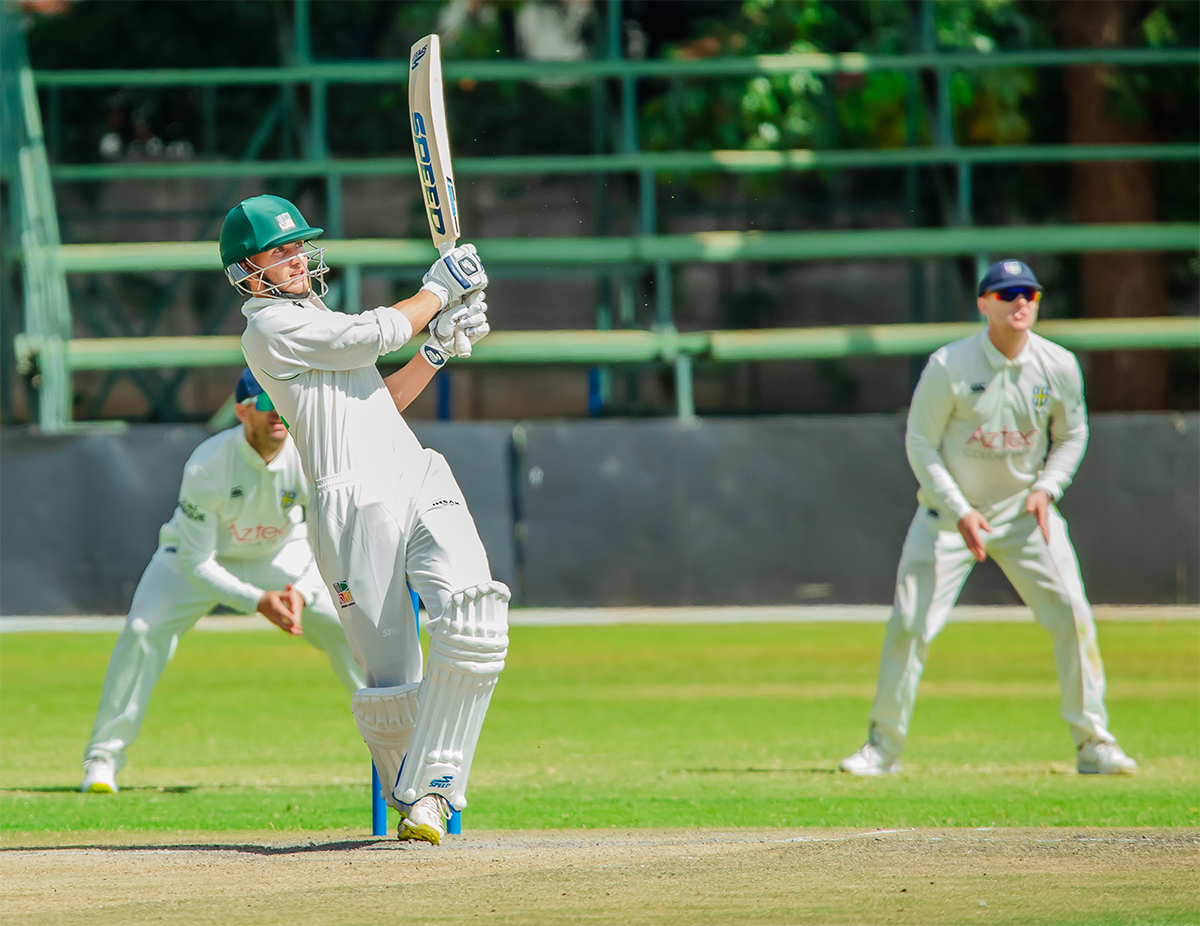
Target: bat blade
(431, 145)
(431, 141)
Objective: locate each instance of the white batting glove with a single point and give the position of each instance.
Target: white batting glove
(457, 275)
(454, 331)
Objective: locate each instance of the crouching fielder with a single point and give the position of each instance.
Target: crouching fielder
(237, 539)
(387, 512)
(996, 430)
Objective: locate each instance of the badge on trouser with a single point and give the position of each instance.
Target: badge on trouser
(467, 646)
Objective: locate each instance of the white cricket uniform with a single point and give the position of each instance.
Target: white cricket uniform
(983, 432)
(237, 532)
(387, 512)
(388, 515)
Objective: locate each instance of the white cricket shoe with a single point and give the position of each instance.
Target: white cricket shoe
(100, 777)
(869, 761)
(426, 819)
(1104, 759)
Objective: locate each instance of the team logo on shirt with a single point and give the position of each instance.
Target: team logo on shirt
(190, 510)
(345, 599)
(287, 498)
(1041, 396)
(1002, 443)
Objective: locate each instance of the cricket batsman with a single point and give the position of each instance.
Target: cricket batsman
(996, 430)
(387, 513)
(237, 539)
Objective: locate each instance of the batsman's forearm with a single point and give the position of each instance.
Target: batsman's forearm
(419, 309)
(408, 382)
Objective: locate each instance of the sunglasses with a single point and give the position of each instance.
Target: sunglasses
(1010, 293)
(261, 402)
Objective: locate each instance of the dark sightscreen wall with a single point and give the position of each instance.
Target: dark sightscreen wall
(809, 510)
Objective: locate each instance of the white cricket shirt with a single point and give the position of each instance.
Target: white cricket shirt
(984, 430)
(318, 367)
(234, 506)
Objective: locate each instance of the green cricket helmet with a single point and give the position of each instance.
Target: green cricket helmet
(259, 224)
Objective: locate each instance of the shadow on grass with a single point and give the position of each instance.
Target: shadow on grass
(245, 849)
(759, 771)
(74, 789)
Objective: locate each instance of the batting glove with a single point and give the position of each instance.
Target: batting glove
(454, 331)
(455, 276)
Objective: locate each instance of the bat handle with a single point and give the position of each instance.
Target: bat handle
(462, 344)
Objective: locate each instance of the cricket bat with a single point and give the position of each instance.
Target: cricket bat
(431, 143)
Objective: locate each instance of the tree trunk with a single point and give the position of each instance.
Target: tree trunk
(1118, 283)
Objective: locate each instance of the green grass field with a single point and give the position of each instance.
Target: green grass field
(638, 726)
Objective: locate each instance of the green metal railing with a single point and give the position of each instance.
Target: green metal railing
(705, 247)
(615, 347)
(373, 72)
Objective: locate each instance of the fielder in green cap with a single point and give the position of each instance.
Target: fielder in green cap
(386, 512)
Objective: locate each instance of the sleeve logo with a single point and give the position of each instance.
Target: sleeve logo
(190, 510)
(345, 599)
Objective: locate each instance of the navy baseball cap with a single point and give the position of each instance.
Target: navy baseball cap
(1005, 273)
(248, 388)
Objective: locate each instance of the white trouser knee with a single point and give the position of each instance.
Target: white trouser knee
(386, 718)
(467, 646)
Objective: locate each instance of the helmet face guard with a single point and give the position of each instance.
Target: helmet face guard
(243, 278)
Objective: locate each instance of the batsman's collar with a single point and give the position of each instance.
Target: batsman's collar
(1006, 273)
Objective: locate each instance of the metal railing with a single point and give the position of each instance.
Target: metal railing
(55, 355)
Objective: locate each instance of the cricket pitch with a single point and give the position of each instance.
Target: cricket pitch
(749, 876)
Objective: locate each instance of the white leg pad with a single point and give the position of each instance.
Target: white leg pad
(467, 646)
(386, 718)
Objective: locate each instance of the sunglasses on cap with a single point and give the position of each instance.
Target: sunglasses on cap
(1010, 293)
(261, 402)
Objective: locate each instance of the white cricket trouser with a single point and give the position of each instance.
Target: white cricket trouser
(166, 605)
(377, 534)
(933, 567)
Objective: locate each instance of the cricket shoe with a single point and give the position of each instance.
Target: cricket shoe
(426, 819)
(869, 761)
(1104, 759)
(100, 777)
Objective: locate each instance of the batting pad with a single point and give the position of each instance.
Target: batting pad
(467, 646)
(386, 718)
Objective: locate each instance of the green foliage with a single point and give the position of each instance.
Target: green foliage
(623, 726)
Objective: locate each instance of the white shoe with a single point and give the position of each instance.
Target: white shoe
(100, 777)
(426, 819)
(1104, 759)
(869, 761)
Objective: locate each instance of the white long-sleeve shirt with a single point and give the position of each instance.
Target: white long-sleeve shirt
(984, 430)
(234, 507)
(318, 367)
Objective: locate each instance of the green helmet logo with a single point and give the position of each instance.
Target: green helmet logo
(259, 224)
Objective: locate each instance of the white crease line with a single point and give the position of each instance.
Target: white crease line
(835, 838)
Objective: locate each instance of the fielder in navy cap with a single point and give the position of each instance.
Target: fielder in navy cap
(248, 388)
(1009, 274)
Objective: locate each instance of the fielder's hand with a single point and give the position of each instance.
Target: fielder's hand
(973, 526)
(454, 331)
(455, 276)
(1038, 505)
(283, 609)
